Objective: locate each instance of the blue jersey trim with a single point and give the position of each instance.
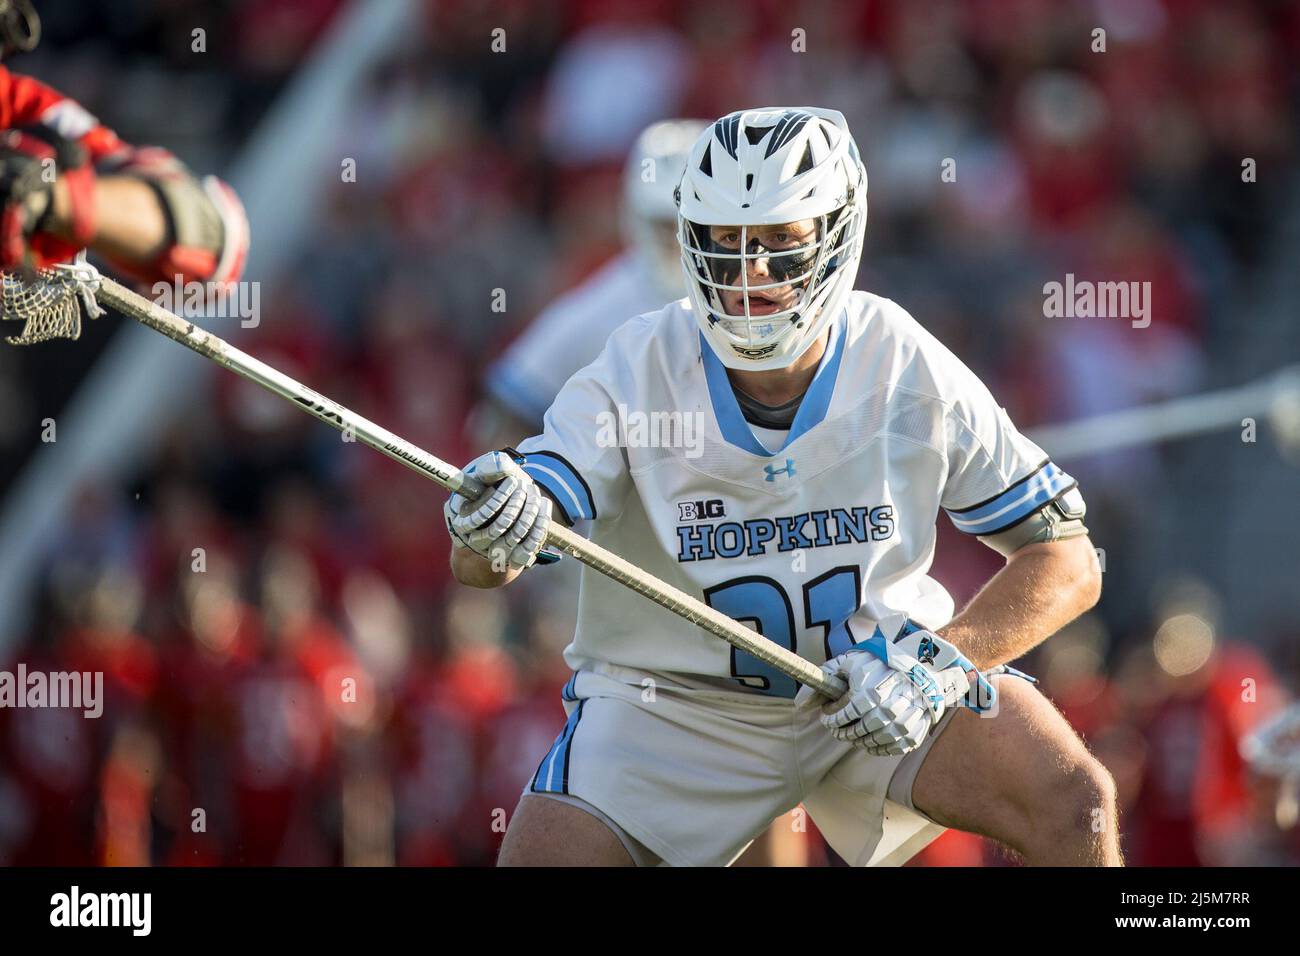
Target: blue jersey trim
(1015, 504)
(569, 692)
(570, 491)
(552, 774)
(812, 411)
(817, 400)
(725, 407)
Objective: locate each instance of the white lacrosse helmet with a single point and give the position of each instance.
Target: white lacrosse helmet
(761, 168)
(654, 167)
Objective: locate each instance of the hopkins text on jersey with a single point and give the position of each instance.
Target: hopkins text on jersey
(812, 529)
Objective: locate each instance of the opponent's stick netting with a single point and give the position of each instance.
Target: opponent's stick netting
(50, 303)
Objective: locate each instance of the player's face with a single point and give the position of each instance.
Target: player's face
(764, 274)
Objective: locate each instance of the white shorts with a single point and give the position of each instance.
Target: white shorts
(694, 773)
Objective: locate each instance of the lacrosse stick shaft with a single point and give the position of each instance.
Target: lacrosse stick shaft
(559, 538)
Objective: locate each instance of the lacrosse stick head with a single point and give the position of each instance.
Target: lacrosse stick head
(50, 302)
(1273, 750)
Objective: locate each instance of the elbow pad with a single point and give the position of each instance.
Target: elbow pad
(209, 230)
(1057, 520)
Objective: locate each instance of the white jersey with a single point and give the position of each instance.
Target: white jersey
(813, 541)
(569, 334)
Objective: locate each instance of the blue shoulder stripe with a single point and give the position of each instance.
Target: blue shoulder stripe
(1022, 499)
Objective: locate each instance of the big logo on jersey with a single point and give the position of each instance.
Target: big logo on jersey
(695, 510)
(757, 536)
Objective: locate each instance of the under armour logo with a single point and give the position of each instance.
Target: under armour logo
(773, 471)
(926, 651)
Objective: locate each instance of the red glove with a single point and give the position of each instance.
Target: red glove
(32, 160)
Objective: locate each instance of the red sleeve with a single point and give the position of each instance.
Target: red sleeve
(25, 101)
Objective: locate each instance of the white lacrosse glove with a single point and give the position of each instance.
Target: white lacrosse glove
(507, 524)
(893, 703)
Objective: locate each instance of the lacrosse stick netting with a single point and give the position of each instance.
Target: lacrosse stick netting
(41, 305)
(50, 306)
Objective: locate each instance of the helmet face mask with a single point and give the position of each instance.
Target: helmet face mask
(761, 308)
(771, 238)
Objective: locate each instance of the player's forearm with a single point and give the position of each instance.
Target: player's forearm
(476, 571)
(1042, 588)
(131, 224)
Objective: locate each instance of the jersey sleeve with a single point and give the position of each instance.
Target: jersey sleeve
(577, 459)
(996, 476)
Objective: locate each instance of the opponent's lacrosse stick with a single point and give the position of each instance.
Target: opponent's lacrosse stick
(50, 306)
(1273, 750)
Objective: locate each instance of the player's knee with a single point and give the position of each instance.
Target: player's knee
(1079, 804)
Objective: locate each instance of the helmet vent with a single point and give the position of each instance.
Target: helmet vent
(706, 163)
(725, 131)
(805, 163)
(787, 128)
(749, 181)
(755, 134)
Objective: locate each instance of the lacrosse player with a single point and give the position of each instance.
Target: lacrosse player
(68, 183)
(834, 429)
(571, 332)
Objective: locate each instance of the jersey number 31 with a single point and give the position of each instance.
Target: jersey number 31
(828, 603)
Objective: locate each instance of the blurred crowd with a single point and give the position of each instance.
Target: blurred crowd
(291, 675)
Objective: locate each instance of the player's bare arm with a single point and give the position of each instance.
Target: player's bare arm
(1043, 587)
(132, 221)
(68, 183)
